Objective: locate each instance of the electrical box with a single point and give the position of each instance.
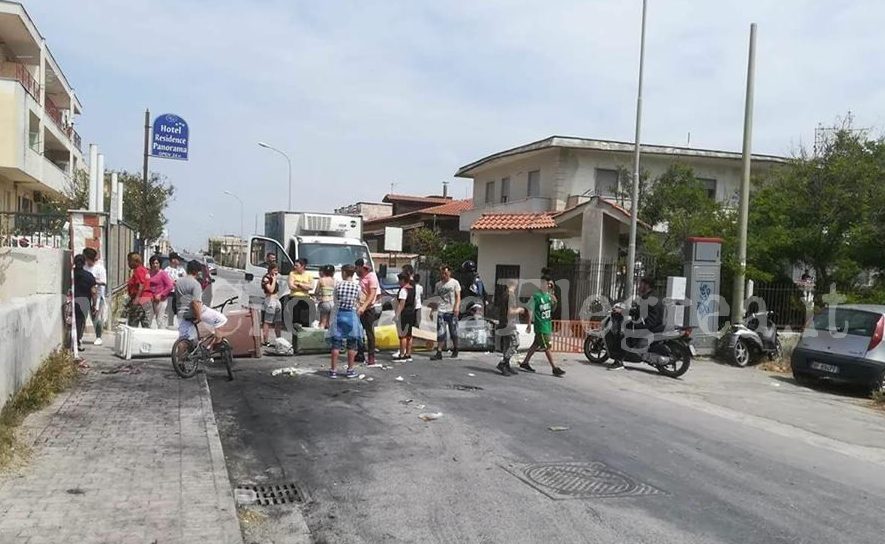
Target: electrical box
(702, 269)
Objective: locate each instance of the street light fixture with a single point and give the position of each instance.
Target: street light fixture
(288, 162)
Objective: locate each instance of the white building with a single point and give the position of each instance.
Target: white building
(568, 189)
(39, 148)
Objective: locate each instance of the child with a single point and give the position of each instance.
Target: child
(273, 310)
(508, 313)
(325, 294)
(405, 317)
(542, 310)
(419, 297)
(345, 331)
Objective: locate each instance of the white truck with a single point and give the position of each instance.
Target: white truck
(320, 238)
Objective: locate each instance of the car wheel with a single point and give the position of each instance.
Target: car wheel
(803, 379)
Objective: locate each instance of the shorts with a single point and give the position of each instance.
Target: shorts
(405, 324)
(273, 311)
(542, 341)
(209, 317)
(325, 309)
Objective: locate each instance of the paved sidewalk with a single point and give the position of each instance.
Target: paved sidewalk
(131, 456)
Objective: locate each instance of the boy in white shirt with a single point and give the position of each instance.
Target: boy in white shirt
(98, 271)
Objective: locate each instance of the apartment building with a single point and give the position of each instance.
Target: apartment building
(39, 147)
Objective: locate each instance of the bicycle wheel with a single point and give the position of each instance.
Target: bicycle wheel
(184, 361)
(227, 355)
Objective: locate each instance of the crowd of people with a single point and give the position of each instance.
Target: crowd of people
(152, 302)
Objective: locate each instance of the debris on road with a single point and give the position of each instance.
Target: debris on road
(557, 428)
(461, 387)
(362, 376)
(245, 496)
(430, 416)
(471, 374)
(370, 379)
(400, 379)
(127, 368)
(406, 402)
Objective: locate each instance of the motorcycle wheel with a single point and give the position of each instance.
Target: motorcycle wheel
(778, 351)
(740, 353)
(595, 350)
(679, 366)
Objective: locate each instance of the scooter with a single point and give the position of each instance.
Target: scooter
(669, 352)
(748, 341)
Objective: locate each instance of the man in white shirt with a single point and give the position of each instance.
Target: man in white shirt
(98, 271)
(175, 272)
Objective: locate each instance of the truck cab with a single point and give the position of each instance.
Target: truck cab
(321, 239)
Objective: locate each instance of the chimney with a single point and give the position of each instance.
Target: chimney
(445, 189)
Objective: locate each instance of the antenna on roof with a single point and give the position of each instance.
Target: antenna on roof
(392, 185)
(445, 189)
(688, 140)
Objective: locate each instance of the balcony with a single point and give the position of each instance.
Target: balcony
(20, 73)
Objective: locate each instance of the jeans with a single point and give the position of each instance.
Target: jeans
(446, 320)
(367, 320)
(97, 316)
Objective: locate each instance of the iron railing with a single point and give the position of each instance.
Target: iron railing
(28, 82)
(33, 230)
(789, 302)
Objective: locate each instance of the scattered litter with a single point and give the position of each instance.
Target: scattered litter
(75, 491)
(83, 365)
(370, 379)
(557, 428)
(386, 367)
(461, 387)
(362, 376)
(127, 368)
(775, 384)
(291, 371)
(245, 496)
(430, 416)
(471, 374)
(400, 378)
(406, 402)
(421, 406)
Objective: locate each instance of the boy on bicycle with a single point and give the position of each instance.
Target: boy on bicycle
(191, 310)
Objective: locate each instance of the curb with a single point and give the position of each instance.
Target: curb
(218, 467)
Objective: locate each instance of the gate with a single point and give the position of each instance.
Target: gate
(121, 240)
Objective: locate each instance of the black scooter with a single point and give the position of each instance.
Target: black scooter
(669, 352)
(748, 341)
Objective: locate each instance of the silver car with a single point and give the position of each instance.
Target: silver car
(843, 344)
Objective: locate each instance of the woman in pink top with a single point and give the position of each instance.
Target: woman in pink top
(161, 287)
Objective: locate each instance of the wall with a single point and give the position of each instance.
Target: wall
(13, 116)
(527, 250)
(28, 271)
(31, 328)
(517, 170)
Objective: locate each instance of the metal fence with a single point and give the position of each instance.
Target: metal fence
(786, 300)
(121, 240)
(580, 284)
(34, 230)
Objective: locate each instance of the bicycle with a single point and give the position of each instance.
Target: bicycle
(188, 356)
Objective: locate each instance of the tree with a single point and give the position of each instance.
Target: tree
(438, 250)
(826, 210)
(145, 209)
(74, 197)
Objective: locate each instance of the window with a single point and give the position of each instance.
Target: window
(337, 255)
(490, 192)
(505, 189)
(606, 182)
(709, 186)
(534, 188)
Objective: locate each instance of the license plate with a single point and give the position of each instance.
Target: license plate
(824, 367)
(694, 352)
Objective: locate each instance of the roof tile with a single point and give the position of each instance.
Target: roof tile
(514, 221)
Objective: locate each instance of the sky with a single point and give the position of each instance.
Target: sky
(365, 94)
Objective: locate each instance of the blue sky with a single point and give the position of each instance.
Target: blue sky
(365, 94)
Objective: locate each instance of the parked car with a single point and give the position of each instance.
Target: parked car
(210, 264)
(843, 344)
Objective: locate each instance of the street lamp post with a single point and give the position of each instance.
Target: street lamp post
(242, 232)
(288, 162)
(634, 202)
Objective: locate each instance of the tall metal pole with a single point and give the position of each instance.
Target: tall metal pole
(288, 162)
(144, 169)
(634, 202)
(737, 303)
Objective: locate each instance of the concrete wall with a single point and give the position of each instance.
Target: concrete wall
(31, 328)
(517, 170)
(27, 271)
(528, 251)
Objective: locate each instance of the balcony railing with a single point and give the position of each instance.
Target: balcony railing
(28, 82)
(33, 230)
(21, 74)
(54, 113)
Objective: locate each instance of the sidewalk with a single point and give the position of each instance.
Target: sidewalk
(131, 456)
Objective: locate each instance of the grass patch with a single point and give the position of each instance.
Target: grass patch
(781, 365)
(54, 375)
(879, 399)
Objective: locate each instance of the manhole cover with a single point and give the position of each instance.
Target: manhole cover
(582, 481)
(267, 494)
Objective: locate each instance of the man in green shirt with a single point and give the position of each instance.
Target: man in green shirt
(543, 302)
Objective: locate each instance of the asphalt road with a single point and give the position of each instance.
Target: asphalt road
(372, 471)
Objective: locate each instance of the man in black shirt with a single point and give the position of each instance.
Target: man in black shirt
(85, 290)
(650, 314)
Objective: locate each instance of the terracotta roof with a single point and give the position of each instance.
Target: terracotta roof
(415, 198)
(451, 208)
(515, 221)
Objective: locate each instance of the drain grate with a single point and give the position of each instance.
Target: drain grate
(268, 494)
(561, 481)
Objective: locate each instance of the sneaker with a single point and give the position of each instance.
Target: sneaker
(510, 369)
(502, 368)
(617, 365)
(397, 358)
(436, 356)
(396, 355)
(527, 367)
(97, 342)
(455, 353)
(558, 371)
(372, 363)
(351, 373)
(79, 347)
(333, 374)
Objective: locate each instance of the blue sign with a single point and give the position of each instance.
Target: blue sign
(170, 137)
